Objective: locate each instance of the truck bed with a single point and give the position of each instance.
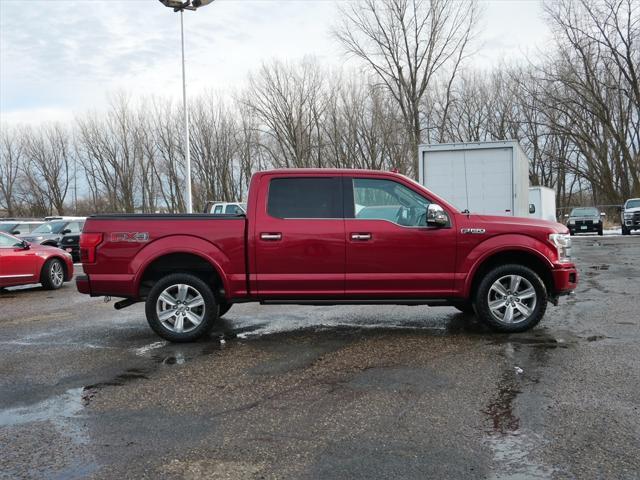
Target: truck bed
(134, 244)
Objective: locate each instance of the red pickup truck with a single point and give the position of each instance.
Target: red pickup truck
(327, 237)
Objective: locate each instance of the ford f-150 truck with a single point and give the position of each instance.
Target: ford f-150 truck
(327, 237)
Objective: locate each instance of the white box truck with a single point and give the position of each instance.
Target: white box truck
(542, 203)
(490, 178)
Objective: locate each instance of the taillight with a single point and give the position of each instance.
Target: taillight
(88, 244)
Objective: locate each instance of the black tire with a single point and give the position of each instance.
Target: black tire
(572, 233)
(465, 307)
(538, 309)
(223, 307)
(601, 231)
(209, 311)
(52, 274)
(625, 230)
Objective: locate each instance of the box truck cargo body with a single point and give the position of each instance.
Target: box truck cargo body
(490, 178)
(542, 203)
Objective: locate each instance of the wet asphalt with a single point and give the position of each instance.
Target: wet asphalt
(327, 392)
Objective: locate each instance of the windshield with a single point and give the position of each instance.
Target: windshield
(633, 203)
(584, 212)
(7, 227)
(50, 227)
(9, 241)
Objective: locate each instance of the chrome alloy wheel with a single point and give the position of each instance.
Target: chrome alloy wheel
(180, 308)
(512, 299)
(56, 274)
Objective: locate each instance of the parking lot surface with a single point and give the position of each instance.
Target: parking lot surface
(327, 392)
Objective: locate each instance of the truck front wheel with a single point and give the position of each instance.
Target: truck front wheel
(511, 298)
(181, 308)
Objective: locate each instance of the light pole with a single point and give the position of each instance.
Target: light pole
(180, 6)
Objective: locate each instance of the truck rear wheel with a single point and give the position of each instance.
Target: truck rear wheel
(181, 308)
(511, 298)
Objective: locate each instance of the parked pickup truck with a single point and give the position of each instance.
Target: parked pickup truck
(327, 237)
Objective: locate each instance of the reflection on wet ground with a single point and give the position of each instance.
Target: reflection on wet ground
(510, 439)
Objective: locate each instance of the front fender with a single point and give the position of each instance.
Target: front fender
(188, 244)
(501, 244)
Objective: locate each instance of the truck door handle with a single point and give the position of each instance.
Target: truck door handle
(272, 237)
(361, 236)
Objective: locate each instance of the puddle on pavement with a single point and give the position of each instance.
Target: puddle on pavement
(512, 446)
(132, 374)
(62, 406)
(500, 410)
(536, 340)
(62, 412)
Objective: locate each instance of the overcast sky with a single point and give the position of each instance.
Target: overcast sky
(59, 58)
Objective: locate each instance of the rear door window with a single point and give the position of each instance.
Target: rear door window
(300, 197)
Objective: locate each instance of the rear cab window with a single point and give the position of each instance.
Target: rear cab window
(305, 198)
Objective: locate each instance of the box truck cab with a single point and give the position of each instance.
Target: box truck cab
(542, 203)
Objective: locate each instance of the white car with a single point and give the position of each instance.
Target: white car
(630, 216)
(226, 208)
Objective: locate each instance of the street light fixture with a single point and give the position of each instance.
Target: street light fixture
(181, 6)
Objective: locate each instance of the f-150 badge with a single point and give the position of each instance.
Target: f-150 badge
(477, 231)
(132, 237)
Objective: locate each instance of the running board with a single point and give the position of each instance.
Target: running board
(431, 302)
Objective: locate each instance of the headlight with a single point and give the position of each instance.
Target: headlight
(628, 215)
(562, 242)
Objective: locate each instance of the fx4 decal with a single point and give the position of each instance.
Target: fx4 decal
(476, 231)
(132, 237)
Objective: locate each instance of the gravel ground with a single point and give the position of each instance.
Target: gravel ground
(327, 392)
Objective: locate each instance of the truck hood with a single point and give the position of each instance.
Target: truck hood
(632, 210)
(505, 223)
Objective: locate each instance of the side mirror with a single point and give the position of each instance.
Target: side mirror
(436, 216)
(620, 208)
(26, 245)
(532, 208)
(65, 231)
(15, 232)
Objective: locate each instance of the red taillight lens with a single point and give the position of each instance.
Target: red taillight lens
(88, 244)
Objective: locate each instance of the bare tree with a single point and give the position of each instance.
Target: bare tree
(11, 154)
(407, 44)
(48, 163)
(593, 87)
(287, 101)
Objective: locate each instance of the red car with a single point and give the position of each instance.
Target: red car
(326, 237)
(22, 263)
